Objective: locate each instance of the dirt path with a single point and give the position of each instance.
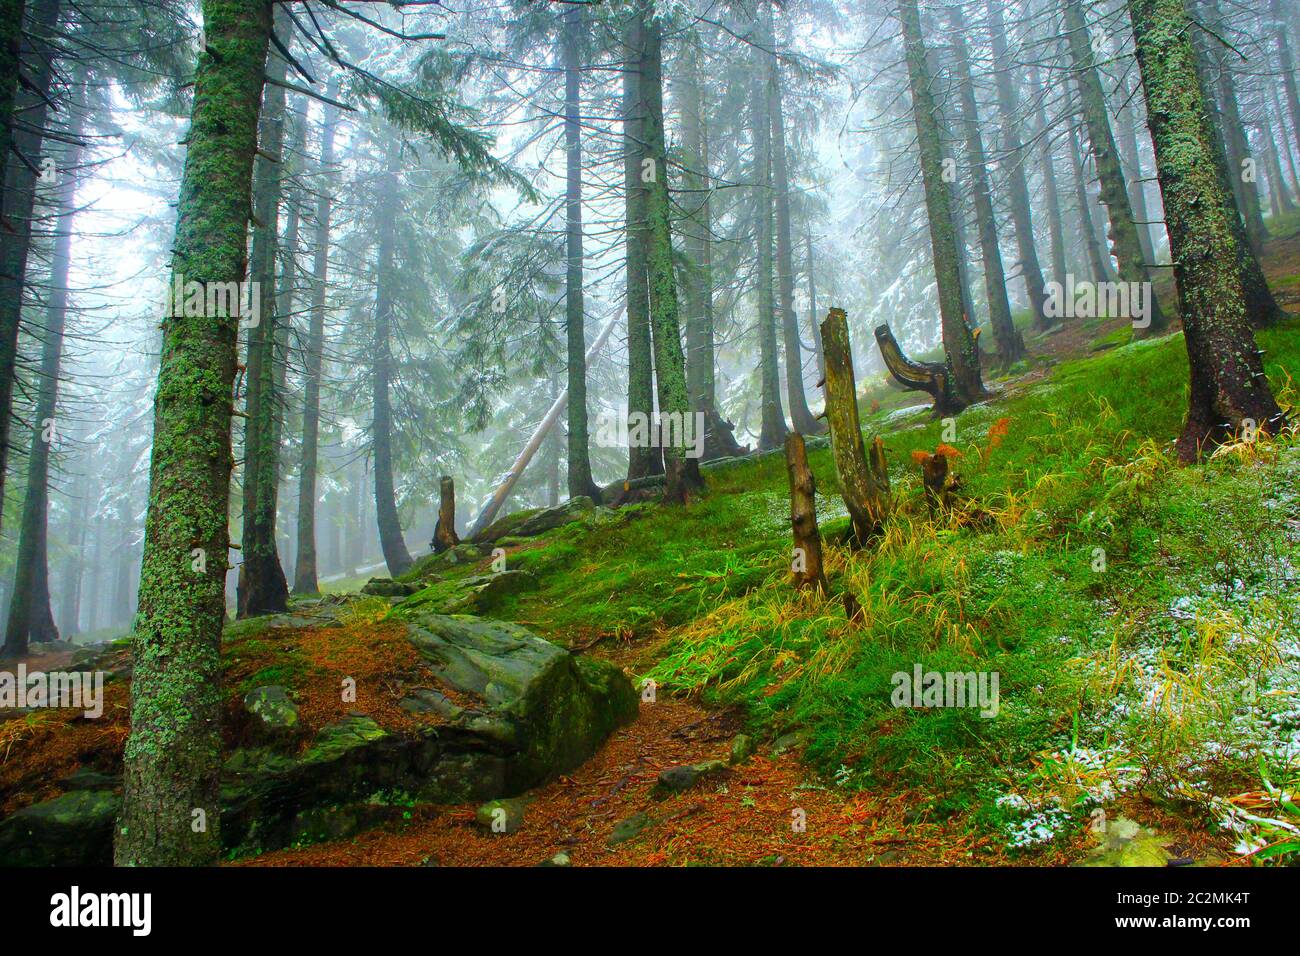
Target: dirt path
(743, 816)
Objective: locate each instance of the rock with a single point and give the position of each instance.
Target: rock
(684, 777)
(742, 748)
(474, 594)
(528, 524)
(1125, 842)
(501, 816)
(275, 716)
(465, 552)
(84, 778)
(425, 700)
(75, 829)
(625, 830)
(387, 587)
(50, 647)
(789, 741)
(560, 859)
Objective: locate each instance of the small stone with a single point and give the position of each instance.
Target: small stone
(742, 748)
(788, 742)
(501, 816)
(274, 714)
(625, 830)
(686, 776)
(387, 587)
(560, 859)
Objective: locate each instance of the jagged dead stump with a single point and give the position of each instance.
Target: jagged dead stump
(807, 563)
(444, 532)
(864, 485)
(933, 378)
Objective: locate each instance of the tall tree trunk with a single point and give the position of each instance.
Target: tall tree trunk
(1051, 196)
(1228, 386)
(19, 196)
(173, 755)
(800, 415)
(1282, 144)
(1010, 345)
(1123, 234)
(1232, 128)
(1131, 157)
(12, 14)
(958, 340)
(387, 520)
(77, 534)
(682, 474)
(1288, 68)
(30, 614)
(1018, 187)
(304, 574)
(262, 587)
(580, 480)
(1098, 261)
(643, 460)
(772, 430)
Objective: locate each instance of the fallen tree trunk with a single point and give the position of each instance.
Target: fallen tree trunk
(864, 486)
(807, 563)
(502, 492)
(933, 378)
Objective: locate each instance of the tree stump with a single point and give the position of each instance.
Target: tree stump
(940, 489)
(444, 532)
(933, 378)
(807, 563)
(864, 485)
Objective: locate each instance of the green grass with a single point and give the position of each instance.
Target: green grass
(1010, 587)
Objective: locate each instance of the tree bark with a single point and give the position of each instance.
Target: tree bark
(772, 430)
(387, 520)
(1018, 187)
(807, 564)
(643, 460)
(262, 587)
(864, 485)
(800, 415)
(1010, 345)
(304, 575)
(1124, 242)
(1227, 376)
(20, 193)
(444, 532)
(31, 617)
(681, 473)
(958, 340)
(173, 754)
(579, 457)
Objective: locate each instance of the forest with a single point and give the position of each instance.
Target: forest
(649, 433)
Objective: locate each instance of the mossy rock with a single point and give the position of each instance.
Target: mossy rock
(471, 595)
(75, 829)
(528, 524)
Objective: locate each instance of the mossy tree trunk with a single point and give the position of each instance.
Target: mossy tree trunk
(37, 44)
(304, 575)
(580, 481)
(772, 430)
(1017, 184)
(173, 754)
(643, 460)
(800, 415)
(681, 474)
(30, 615)
(1051, 194)
(1123, 233)
(387, 519)
(262, 587)
(864, 484)
(958, 339)
(1010, 345)
(1228, 386)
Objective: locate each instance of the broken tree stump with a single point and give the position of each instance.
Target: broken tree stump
(807, 563)
(933, 378)
(940, 487)
(444, 532)
(864, 486)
